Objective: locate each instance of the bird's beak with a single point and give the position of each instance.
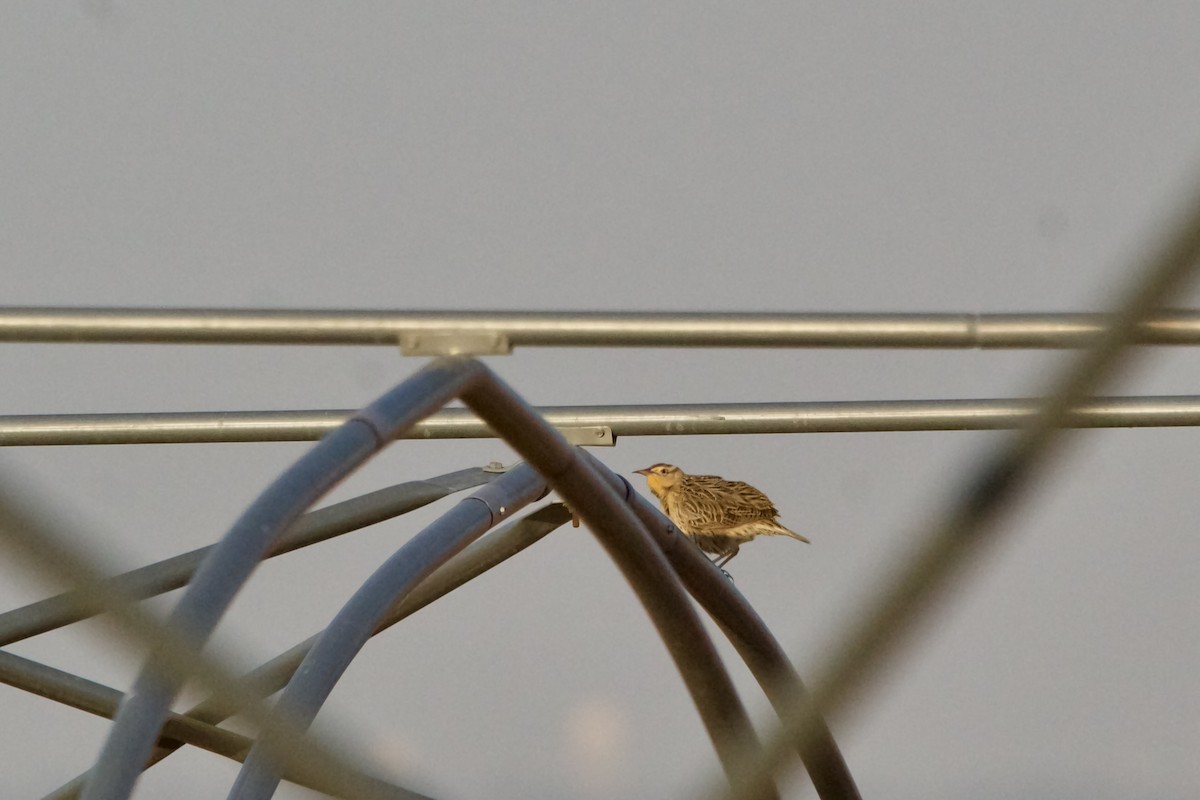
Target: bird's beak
(645, 471)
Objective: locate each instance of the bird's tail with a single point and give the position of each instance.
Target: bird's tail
(779, 530)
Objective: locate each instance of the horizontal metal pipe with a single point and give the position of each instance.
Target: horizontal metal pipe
(580, 328)
(624, 420)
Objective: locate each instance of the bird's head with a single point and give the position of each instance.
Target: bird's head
(661, 477)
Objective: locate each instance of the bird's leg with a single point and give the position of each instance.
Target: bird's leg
(725, 559)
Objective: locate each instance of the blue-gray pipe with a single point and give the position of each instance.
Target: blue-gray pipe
(349, 631)
(141, 715)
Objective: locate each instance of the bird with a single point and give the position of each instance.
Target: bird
(718, 515)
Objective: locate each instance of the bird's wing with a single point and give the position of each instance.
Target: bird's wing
(714, 504)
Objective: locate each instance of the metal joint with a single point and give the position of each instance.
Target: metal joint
(455, 344)
(589, 435)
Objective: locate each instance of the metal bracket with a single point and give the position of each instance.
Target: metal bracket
(590, 435)
(584, 435)
(455, 344)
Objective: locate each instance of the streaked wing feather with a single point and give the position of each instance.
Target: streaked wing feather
(710, 503)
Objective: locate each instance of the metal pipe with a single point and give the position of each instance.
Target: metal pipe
(172, 573)
(95, 698)
(580, 328)
(273, 675)
(355, 623)
(629, 544)
(971, 519)
(139, 719)
(27, 527)
(750, 636)
(623, 420)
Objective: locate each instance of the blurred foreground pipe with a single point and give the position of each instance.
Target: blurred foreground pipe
(272, 676)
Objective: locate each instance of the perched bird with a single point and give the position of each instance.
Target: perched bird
(718, 515)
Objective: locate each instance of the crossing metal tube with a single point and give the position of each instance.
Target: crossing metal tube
(30, 534)
(629, 544)
(172, 573)
(95, 698)
(753, 640)
(355, 623)
(273, 675)
(140, 717)
(959, 531)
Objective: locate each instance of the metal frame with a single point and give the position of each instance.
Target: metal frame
(172, 573)
(273, 675)
(493, 332)
(142, 713)
(959, 532)
(35, 539)
(624, 420)
(659, 566)
(395, 579)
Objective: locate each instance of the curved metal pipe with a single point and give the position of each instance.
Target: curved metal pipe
(139, 719)
(356, 622)
(29, 530)
(749, 635)
(628, 543)
(273, 675)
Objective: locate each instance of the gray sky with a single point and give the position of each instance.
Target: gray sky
(786, 157)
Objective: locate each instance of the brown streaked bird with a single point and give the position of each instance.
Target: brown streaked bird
(718, 515)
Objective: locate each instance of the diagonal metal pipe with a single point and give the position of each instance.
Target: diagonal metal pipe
(762, 653)
(315, 526)
(273, 675)
(95, 698)
(141, 714)
(629, 544)
(971, 519)
(29, 530)
(355, 623)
